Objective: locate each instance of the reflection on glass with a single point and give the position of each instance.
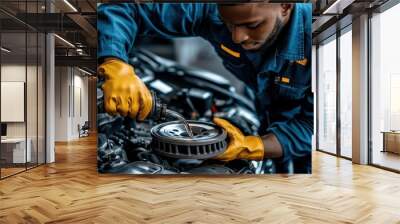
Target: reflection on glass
(327, 96)
(31, 101)
(346, 94)
(41, 99)
(22, 89)
(385, 88)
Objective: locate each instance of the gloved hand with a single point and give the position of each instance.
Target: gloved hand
(124, 92)
(240, 146)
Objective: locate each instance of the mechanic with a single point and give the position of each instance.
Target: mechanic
(267, 46)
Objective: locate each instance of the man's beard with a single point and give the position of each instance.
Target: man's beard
(274, 34)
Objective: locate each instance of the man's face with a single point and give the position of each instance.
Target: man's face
(255, 25)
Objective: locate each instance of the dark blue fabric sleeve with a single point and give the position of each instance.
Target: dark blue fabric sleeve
(295, 134)
(119, 24)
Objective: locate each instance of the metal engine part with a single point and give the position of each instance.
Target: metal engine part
(158, 110)
(140, 167)
(212, 169)
(126, 146)
(170, 139)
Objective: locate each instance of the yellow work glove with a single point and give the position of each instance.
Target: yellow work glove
(240, 146)
(124, 92)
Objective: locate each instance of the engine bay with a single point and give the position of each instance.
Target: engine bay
(162, 147)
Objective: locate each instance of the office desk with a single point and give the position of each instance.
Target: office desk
(13, 150)
(391, 141)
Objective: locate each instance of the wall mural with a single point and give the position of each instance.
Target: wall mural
(156, 116)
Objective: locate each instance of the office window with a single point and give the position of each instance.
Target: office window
(385, 89)
(22, 90)
(15, 149)
(314, 89)
(345, 93)
(327, 96)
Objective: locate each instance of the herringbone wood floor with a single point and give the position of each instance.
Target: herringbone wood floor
(71, 191)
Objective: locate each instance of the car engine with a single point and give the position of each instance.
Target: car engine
(126, 146)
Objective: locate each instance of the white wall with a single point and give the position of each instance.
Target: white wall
(61, 103)
(71, 93)
(15, 73)
(33, 127)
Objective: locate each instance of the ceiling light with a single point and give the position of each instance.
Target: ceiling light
(84, 71)
(328, 10)
(70, 5)
(337, 7)
(5, 50)
(65, 41)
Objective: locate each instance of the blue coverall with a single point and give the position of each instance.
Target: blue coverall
(279, 76)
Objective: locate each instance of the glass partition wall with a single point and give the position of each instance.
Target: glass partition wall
(385, 90)
(334, 98)
(334, 93)
(22, 77)
(327, 95)
(345, 93)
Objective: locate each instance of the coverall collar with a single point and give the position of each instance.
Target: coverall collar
(289, 46)
(292, 45)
